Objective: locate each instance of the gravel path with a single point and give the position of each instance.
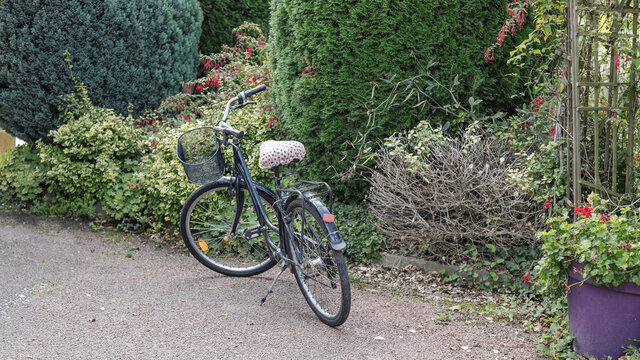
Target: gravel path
(68, 292)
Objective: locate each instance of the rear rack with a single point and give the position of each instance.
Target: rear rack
(306, 190)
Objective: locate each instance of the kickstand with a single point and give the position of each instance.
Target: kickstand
(284, 267)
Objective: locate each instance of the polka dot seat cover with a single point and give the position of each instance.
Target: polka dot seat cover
(274, 153)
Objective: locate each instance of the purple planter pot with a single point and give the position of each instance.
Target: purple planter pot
(602, 319)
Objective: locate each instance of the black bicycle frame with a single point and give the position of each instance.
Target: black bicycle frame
(242, 170)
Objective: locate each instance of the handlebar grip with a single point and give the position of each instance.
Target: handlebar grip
(229, 130)
(255, 90)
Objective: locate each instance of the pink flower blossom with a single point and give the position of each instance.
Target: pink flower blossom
(538, 102)
(489, 54)
(501, 34)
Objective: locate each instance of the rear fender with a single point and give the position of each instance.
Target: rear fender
(334, 237)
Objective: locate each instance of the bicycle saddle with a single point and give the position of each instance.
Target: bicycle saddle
(276, 153)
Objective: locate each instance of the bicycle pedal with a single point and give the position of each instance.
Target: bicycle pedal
(252, 232)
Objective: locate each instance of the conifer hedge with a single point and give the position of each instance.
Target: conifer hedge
(126, 52)
(326, 54)
(222, 16)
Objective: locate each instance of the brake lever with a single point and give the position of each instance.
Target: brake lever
(240, 106)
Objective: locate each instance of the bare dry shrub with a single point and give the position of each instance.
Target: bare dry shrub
(459, 196)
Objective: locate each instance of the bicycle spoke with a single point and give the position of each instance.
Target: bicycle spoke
(207, 231)
(318, 273)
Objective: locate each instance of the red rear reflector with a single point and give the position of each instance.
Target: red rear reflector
(328, 218)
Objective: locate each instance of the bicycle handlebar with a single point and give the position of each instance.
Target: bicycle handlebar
(230, 130)
(241, 99)
(255, 90)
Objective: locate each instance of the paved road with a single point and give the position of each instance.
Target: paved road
(68, 292)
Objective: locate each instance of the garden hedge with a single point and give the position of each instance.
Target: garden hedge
(126, 52)
(222, 16)
(325, 56)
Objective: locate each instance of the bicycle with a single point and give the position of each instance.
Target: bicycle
(289, 224)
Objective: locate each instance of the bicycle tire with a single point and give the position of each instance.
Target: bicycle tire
(205, 226)
(322, 275)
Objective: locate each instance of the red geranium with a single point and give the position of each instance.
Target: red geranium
(586, 211)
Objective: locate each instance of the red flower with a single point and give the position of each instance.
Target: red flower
(188, 90)
(586, 211)
(546, 205)
(604, 218)
(538, 102)
(207, 65)
(199, 88)
(489, 54)
(628, 246)
(187, 117)
(525, 126)
(526, 278)
(552, 132)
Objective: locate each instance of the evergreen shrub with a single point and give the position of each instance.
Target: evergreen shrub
(92, 154)
(325, 56)
(222, 16)
(130, 55)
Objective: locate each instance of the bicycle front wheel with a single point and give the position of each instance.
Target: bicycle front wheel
(322, 274)
(213, 223)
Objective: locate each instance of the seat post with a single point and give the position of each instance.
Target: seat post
(276, 175)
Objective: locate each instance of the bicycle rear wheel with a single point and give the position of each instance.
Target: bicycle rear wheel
(206, 226)
(322, 274)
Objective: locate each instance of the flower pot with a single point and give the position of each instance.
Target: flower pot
(602, 319)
